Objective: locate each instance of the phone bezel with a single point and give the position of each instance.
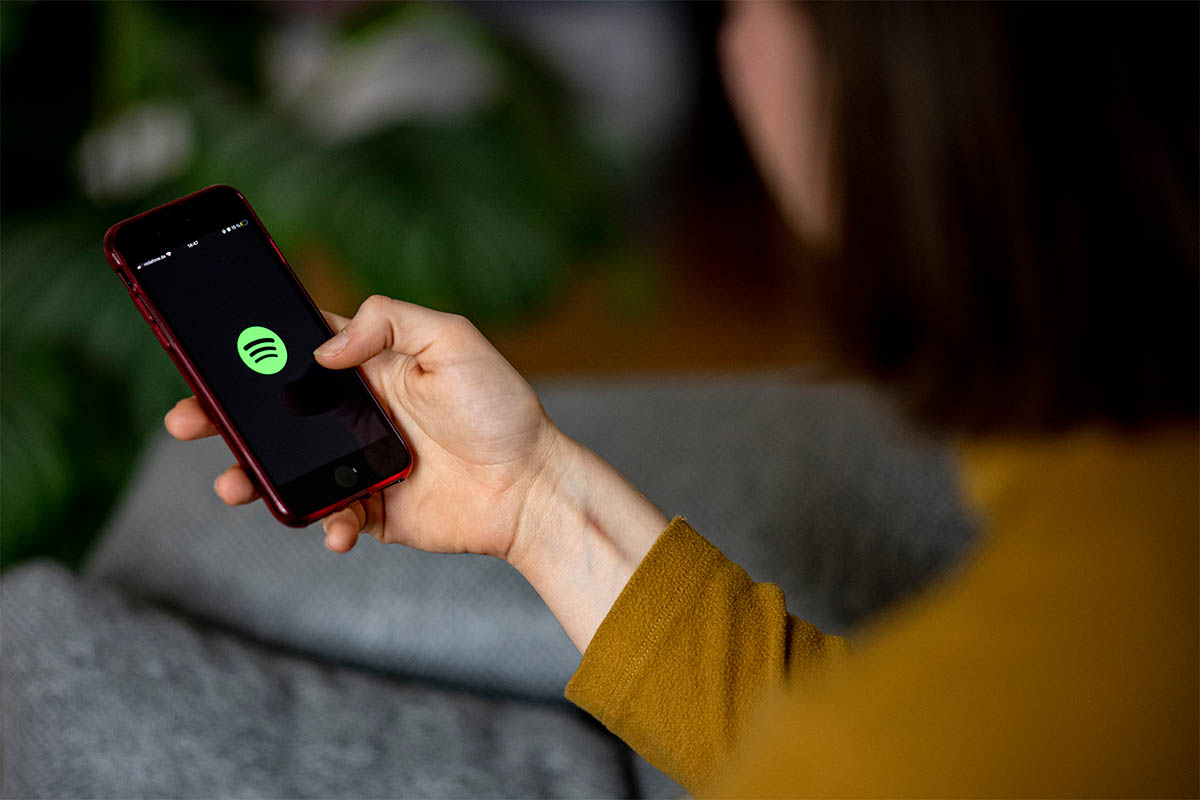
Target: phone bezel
(305, 499)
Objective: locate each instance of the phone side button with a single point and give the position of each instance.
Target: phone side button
(158, 334)
(143, 308)
(162, 338)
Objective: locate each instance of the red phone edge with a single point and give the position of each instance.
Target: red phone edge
(224, 425)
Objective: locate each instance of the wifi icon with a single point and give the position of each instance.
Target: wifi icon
(262, 350)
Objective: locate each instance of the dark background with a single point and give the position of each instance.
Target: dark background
(567, 175)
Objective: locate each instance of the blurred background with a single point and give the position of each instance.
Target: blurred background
(567, 175)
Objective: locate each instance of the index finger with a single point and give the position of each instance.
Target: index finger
(187, 421)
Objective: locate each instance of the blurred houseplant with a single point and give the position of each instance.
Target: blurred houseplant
(425, 155)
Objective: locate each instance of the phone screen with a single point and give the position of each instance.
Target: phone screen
(234, 308)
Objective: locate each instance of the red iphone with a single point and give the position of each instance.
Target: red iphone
(226, 306)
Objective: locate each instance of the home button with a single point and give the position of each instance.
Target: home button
(345, 476)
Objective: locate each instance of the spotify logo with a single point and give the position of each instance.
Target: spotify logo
(261, 350)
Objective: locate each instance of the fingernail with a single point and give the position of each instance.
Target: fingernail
(216, 480)
(332, 347)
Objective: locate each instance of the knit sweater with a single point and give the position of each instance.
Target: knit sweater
(1060, 659)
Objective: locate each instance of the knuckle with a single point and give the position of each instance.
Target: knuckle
(375, 304)
(459, 325)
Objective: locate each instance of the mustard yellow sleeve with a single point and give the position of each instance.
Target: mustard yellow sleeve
(690, 647)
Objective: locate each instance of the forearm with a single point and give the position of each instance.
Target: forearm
(681, 645)
(583, 532)
(688, 652)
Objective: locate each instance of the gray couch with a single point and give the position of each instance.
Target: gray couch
(211, 652)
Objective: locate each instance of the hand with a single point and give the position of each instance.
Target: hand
(493, 475)
(479, 435)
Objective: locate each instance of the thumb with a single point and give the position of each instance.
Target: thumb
(383, 324)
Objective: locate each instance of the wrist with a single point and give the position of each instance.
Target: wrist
(549, 500)
(582, 532)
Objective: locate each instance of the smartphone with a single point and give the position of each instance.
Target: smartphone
(229, 311)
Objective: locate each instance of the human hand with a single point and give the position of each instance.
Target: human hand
(493, 475)
(479, 435)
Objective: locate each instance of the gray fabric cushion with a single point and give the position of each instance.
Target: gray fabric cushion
(819, 488)
(468, 620)
(107, 698)
(815, 487)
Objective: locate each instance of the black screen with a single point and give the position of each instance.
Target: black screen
(217, 293)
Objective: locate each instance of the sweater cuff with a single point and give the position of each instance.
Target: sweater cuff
(644, 615)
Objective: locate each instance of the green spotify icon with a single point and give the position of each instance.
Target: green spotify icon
(262, 350)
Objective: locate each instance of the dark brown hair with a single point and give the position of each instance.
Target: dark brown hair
(1016, 191)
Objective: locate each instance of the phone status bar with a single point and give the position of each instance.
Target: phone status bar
(227, 229)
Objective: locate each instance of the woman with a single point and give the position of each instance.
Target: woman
(1002, 201)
